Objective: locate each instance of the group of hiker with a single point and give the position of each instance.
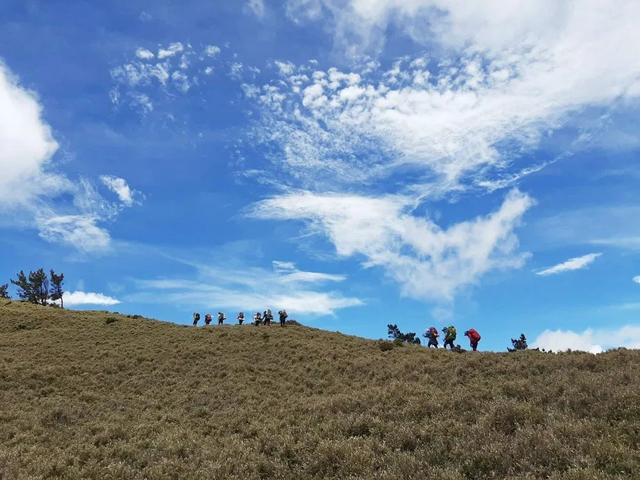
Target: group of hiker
(264, 318)
(450, 334)
(431, 334)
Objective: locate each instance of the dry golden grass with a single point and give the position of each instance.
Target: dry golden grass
(101, 396)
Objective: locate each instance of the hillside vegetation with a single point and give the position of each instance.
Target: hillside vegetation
(101, 396)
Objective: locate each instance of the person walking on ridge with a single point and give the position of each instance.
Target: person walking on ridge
(283, 317)
(474, 338)
(432, 335)
(196, 318)
(240, 318)
(257, 319)
(207, 319)
(450, 335)
(221, 318)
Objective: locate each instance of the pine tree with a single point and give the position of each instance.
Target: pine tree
(33, 288)
(56, 292)
(40, 286)
(4, 291)
(395, 334)
(24, 287)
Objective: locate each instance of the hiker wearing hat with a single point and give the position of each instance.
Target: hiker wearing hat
(450, 335)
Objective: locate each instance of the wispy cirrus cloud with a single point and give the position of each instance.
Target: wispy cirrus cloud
(498, 82)
(284, 286)
(121, 188)
(174, 69)
(429, 263)
(576, 263)
(256, 7)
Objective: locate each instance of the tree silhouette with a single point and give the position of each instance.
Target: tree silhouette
(56, 292)
(33, 288)
(395, 333)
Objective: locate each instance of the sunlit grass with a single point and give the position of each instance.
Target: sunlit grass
(101, 396)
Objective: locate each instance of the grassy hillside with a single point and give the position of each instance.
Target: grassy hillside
(101, 396)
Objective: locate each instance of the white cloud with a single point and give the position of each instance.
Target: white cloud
(256, 7)
(427, 261)
(73, 299)
(120, 187)
(29, 190)
(175, 69)
(79, 231)
(172, 50)
(212, 51)
(593, 341)
(144, 54)
(27, 146)
(576, 263)
(253, 289)
(518, 72)
(636, 279)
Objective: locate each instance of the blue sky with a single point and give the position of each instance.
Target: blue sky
(358, 162)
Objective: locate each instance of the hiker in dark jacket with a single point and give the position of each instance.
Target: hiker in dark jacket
(257, 319)
(432, 335)
(196, 318)
(474, 338)
(449, 336)
(240, 318)
(207, 319)
(283, 317)
(221, 318)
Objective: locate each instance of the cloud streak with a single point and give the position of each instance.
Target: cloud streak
(253, 289)
(576, 263)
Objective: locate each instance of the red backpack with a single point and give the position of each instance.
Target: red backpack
(474, 335)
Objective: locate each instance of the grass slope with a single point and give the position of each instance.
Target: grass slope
(101, 396)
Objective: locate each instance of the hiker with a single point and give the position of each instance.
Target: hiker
(240, 318)
(207, 319)
(432, 334)
(196, 318)
(450, 335)
(221, 318)
(257, 319)
(283, 317)
(267, 317)
(474, 338)
(520, 343)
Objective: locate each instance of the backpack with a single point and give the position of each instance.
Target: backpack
(433, 332)
(474, 335)
(451, 333)
(197, 316)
